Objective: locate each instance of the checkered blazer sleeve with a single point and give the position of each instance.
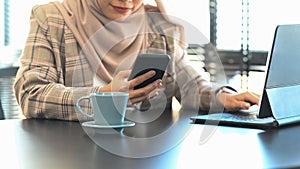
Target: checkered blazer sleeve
(40, 86)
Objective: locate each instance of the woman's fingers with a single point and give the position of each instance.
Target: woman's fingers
(239, 101)
(140, 79)
(144, 93)
(249, 97)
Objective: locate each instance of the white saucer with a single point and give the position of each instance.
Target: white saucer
(93, 125)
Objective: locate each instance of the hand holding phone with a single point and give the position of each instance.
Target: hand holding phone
(147, 62)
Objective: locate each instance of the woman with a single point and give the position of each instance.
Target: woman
(79, 47)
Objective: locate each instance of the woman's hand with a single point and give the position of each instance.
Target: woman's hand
(146, 92)
(120, 84)
(239, 101)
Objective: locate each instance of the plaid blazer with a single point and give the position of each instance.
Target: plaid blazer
(53, 74)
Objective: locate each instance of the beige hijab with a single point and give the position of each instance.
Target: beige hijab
(105, 43)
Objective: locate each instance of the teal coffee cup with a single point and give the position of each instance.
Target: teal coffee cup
(108, 108)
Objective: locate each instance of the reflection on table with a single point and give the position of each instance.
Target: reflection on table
(60, 144)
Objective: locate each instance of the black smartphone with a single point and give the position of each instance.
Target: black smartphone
(147, 62)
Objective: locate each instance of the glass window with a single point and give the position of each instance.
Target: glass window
(264, 15)
(229, 24)
(1, 24)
